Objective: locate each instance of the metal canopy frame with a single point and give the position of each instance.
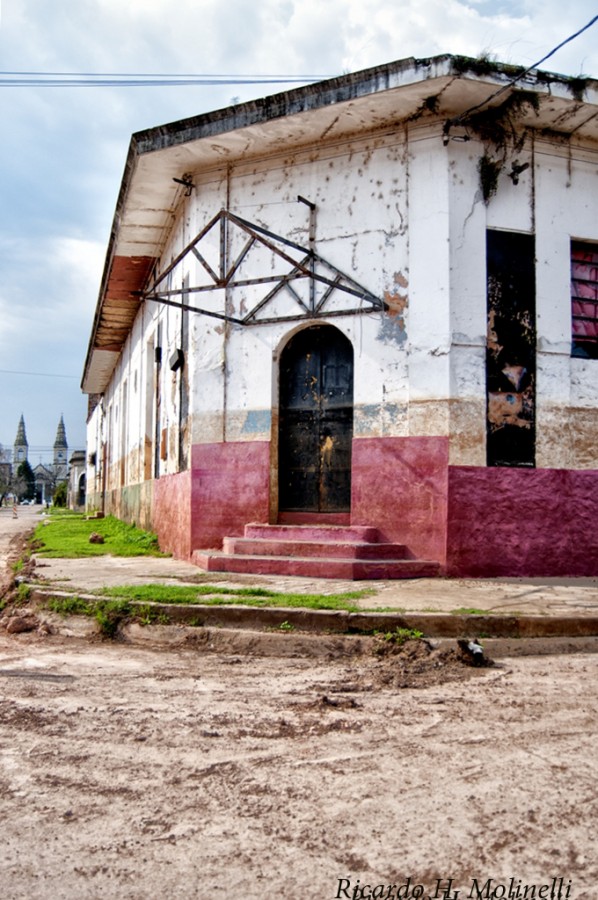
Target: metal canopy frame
(303, 262)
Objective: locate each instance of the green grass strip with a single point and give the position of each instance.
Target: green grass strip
(68, 537)
(215, 595)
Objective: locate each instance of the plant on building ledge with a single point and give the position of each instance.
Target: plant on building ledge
(489, 170)
(499, 128)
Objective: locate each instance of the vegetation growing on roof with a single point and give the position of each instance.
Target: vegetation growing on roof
(499, 125)
(578, 86)
(485, 65)
(489, 170)
(499, 128)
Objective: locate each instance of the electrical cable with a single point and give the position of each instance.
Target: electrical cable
(457, 119)
(37, 374)
(85, 79)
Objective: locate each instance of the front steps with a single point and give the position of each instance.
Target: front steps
(350, 552)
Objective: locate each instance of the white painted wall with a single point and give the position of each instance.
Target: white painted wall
(405, 218)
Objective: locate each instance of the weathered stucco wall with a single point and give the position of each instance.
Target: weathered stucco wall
(407, 219)
(521, 522)
(230, 487)
(171, 513)
(400, 484)
(403, 214)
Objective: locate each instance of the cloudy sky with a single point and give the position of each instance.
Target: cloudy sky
(62, 149)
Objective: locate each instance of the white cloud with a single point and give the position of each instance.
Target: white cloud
(63, 150)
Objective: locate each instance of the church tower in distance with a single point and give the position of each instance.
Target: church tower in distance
(60, 445)
(21, 447)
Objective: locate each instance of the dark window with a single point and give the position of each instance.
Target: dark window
(584, 300)
(511, 349)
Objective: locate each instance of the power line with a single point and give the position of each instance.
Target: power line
(42, 74)
(143, 79)
(513, 81)
(37, 374)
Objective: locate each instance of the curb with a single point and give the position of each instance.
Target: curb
(434, 625)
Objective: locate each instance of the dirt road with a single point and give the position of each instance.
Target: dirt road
(134, 773)
(137, 773)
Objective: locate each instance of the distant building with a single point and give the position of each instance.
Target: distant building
(47, 475)
(77, 479)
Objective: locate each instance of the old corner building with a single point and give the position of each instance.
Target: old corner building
(369, 304)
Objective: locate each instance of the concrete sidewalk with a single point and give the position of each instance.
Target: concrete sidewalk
(506, 609)
(515, 607)
(537, 597)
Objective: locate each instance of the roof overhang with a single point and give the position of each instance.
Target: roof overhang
(440, 89)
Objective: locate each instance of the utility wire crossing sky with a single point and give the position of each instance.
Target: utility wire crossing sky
(63, 150)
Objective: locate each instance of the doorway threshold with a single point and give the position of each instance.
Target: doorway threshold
(314, 518)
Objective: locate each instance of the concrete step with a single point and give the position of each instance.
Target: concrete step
(249, 546)
(343, 533)
(349, 569)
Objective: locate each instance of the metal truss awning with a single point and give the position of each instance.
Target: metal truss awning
(230, 250)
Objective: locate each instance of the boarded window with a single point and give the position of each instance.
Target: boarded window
(511, 349)
(584, 300)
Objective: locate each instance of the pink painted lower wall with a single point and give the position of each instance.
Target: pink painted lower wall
(522, 522)
(171, 518)
(400, 485)
(476, 522)
(230, 487)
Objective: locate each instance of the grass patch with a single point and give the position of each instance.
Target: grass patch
(70, 606)
(214, 595)
(23, 594)
(114, 604)
(109, 616)
(468, 611)
(400, 635)
(107, 613)
(67, 535)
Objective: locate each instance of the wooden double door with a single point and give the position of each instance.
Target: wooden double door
(316, 422)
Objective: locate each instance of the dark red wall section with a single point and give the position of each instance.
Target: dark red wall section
(171, 513)
(522, 522)
(230, 487)
(479, 522)
(400, 486)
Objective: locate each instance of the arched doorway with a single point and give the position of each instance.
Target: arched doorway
(81, 491)
(316, 422)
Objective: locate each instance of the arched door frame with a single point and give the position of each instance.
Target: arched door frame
(329, 415)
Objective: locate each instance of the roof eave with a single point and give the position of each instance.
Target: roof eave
(122, 283)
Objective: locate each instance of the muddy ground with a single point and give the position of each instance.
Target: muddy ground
(282, 765)
(129, 772)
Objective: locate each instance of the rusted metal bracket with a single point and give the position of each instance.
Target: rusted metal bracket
(303, 264)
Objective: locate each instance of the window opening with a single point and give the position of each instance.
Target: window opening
(584, 300)
(511, 349)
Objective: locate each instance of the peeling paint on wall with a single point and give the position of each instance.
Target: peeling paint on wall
(392, 325)
(379, 419)
(257, 421)
(392, 330)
